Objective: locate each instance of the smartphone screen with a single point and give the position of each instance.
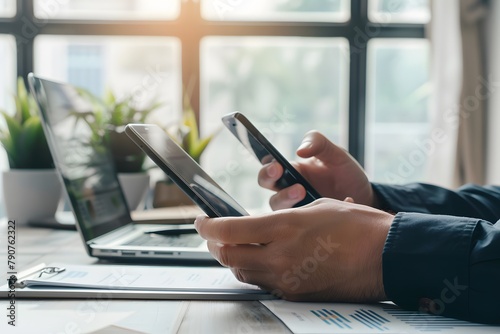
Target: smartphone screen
(265, 152)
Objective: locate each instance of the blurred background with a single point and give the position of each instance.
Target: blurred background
(367, 73)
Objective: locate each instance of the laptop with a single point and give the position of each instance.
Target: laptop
(97, 201)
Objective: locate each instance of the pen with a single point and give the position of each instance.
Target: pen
(174, 231)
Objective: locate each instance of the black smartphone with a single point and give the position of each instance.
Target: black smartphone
(184, 171)
(265, 152)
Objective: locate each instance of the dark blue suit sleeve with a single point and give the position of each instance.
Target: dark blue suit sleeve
(442, 253)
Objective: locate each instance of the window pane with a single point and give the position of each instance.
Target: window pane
(286, 86)
(146, 67)
(108, 9)
(276, 10)
(7, 8)
(397, 110)
(399, 11)
(7, 89)
(8, 70)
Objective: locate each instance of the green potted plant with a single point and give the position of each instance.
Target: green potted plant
(108, 121)
(187, 135)
(32, 178)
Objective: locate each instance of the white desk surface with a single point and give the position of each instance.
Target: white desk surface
(36, 245)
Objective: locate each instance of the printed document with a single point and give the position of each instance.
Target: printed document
(322, 318)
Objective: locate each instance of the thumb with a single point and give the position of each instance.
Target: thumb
(316, 145)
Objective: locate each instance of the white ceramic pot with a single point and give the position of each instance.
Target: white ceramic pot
(135, 186)
(31, 194)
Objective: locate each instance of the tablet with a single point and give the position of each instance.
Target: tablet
(186, 173)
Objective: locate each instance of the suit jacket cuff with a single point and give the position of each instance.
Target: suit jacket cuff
(426, 263)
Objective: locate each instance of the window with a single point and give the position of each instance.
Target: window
(146, 67)
(286, 85)
(397, 109)
(108, 9)
(355, 70)
(7, 8)
(399, 11)
(8, 70)
(7, 87)
(276, 10)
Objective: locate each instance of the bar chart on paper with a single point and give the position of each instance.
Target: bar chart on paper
(319, 318)
(368, 318)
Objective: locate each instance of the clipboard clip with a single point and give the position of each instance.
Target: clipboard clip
(41, 269)
(51, 270)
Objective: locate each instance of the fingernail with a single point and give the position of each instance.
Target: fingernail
(198, 221)
(272, 171)
(305, 145)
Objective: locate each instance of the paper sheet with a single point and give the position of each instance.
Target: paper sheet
(322, 318)
(152, 317)
(187, 279)
(32, 319)
(97, 316)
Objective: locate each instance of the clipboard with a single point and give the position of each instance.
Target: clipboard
(63, 281)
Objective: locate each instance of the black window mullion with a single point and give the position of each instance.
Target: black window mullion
(357, 80)
(25, 32)
(361, 31)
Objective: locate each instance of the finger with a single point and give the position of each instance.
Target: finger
(287, 197)
(269, 174)
(239, 256)
(263, 279)
(316, 145)
(238, 230)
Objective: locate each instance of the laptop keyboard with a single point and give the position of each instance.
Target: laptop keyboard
(154, 240)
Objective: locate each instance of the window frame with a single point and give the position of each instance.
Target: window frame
(358, 30)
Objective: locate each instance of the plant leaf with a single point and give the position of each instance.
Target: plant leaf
(23, 101)
(13, 126)
(27, 143)
(10, 149)
(189, 120)
(200, 146)
(23, 137)
(109, 98)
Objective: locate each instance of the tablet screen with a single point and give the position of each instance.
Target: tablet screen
(184, 171)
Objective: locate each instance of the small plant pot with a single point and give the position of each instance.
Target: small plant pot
(168, 194)
(135, 186)
(30, 195)
(127, 156)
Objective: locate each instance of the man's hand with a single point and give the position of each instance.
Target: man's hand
(330, 170)
(327, 250)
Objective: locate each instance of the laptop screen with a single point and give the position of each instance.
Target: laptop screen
(81, 157)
